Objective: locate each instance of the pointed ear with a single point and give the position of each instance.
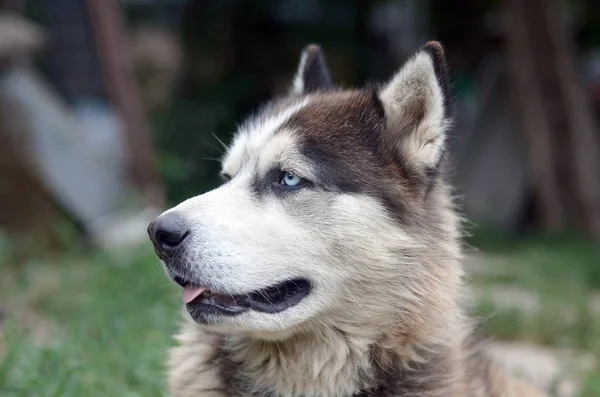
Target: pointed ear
(418, 111)
(313, 74)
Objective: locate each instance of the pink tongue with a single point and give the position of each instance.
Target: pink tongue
(191, 292)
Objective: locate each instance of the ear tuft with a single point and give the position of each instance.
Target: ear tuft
(436, 52)
(417, 109)
(313, 73)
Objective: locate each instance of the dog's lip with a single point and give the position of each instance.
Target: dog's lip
(181, 281)
(272, 299)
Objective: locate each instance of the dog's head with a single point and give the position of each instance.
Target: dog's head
(333, 210)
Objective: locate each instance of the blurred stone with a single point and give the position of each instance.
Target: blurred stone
(123, 230)
(594, 304)
(547, 368)
(486, 265)
(84, 172)
(510, 298)
(18, 37)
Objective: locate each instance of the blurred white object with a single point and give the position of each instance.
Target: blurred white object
(544, 367)
(78, 156)
(18, 36)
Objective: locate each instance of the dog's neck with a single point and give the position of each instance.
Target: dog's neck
(331, 362)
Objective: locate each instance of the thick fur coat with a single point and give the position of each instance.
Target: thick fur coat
(340, 198)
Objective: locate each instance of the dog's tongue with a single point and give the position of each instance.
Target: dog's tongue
(191, 292)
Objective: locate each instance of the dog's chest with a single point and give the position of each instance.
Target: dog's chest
(385, 383)
(274, 379)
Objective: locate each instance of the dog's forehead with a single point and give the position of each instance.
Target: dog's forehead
(255, 135)
(339, 121)
(331, 123)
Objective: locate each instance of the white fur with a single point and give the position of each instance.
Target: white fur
(240, 243)
(415, 89)
(298, 85)
(386, 292)
(252, 136)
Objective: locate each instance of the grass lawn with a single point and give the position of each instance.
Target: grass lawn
(562, 273)
(89, 325)
(86, 327)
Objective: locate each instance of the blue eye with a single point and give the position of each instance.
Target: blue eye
(291, 179)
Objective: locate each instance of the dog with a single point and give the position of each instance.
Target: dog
(328, 263)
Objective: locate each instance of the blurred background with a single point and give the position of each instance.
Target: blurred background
(112, 111)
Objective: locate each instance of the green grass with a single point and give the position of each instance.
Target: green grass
(580, 334)
(543, 260)
(86, 327)
(563, 271)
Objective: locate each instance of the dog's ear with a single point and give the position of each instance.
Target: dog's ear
(313, 74)
(417, 107)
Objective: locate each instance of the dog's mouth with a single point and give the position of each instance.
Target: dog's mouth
(273, 299)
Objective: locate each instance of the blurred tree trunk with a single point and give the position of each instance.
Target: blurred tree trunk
(27, 208)
(109, 32)
(556, 119)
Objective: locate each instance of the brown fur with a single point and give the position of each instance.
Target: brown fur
(385, 148)
(207, 365)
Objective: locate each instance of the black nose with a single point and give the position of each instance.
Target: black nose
(167, 232)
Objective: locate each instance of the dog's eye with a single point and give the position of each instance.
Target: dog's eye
(290, 179)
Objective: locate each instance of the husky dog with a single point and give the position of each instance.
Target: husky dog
(328, 264)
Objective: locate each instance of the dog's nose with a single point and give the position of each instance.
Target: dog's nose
(167, 232)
